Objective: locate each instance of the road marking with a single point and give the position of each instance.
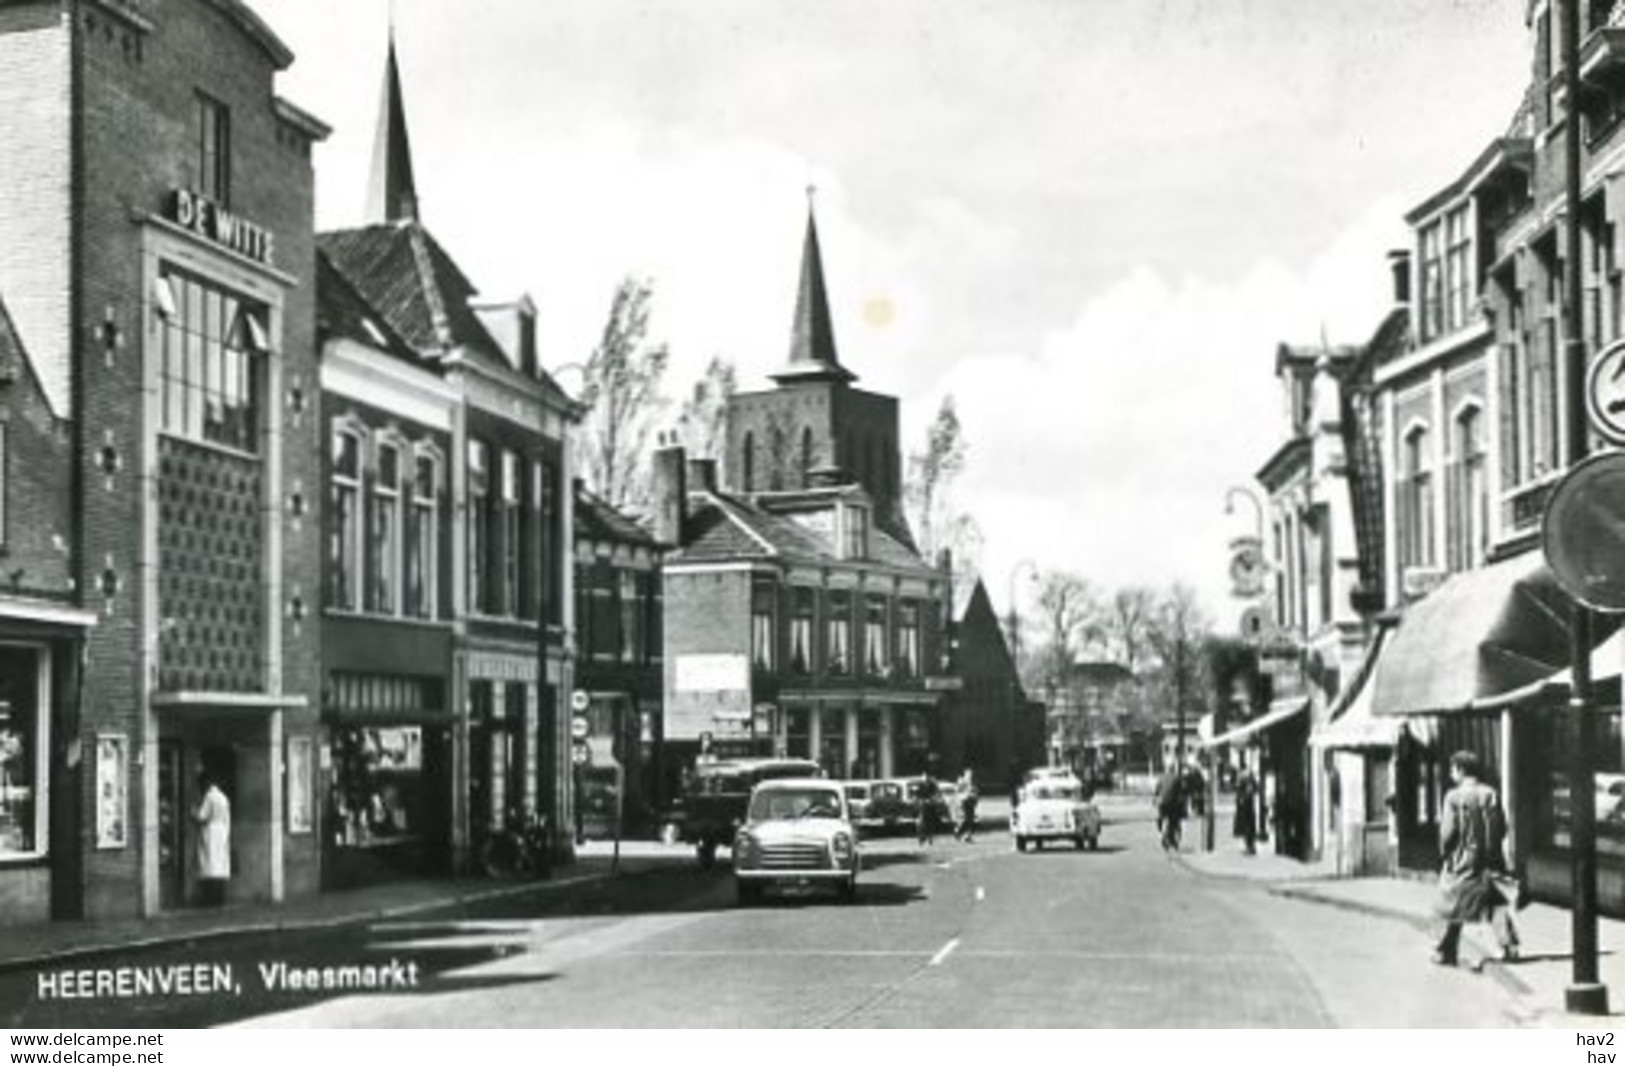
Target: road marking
(947, 949)
(981, 893)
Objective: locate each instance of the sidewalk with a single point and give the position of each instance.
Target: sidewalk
(28, 947)
(1535, 983)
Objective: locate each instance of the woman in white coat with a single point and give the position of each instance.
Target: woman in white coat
(213, 819)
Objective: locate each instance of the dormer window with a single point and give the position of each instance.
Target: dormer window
(854, 532)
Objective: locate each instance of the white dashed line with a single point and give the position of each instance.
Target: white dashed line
(947, 949)
(981, 893)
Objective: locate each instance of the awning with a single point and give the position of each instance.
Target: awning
(1606, 660)
(1283, 710)
(1481, 634)
(1352, 725)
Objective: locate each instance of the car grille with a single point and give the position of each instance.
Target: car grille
(795, 857)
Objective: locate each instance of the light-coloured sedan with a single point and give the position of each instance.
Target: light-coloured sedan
(798, 833)
(1053, 808)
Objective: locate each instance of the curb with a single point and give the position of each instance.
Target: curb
(47, 959)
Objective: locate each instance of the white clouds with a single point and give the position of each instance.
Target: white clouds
(1109, 450)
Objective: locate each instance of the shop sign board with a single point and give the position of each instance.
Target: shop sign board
(201, 215)
(1584, 532)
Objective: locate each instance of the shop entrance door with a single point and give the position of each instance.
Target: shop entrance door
(171, 824)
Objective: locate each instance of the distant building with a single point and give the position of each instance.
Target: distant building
(799, 617)
(989, 724)
(619, 651)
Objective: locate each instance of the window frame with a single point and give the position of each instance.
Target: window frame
(384, 554)
(422, 554)
(213, 148)
(348, 566)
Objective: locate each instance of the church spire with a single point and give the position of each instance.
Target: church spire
(392, 195)
(812, 337)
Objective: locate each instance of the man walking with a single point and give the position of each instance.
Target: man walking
(1472, 836)
(1170, 800)
(1246, 826)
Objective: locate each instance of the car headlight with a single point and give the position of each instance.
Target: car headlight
(744, 849)
(841, 847)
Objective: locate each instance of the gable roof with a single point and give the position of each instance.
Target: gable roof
(724, 527)
(597, 520)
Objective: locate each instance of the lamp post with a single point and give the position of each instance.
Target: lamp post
(1585, 993)
(1230, 496)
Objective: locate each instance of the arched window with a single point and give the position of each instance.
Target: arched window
(806, 457)
(747, 462)
(777, 460)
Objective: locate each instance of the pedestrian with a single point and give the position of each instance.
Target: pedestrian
(1195, 787)
(926, 822)
(965, 829)
(1246, 822)
(1170, 801)
(1472, 841)
(213, 820)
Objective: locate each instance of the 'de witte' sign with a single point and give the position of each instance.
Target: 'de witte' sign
(209, 220)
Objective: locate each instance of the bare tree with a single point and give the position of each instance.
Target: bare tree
(705, 411)
(932, 472)
(1178, 632)
(623, 400)
(1126, 623)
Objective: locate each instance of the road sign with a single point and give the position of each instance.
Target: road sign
(579, 701)
(580, 754)
(580, 727)
(1605, 392)
(1584, 532)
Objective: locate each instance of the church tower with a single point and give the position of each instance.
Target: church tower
(814, 427)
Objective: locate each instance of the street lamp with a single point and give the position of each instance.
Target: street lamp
(1210, 827)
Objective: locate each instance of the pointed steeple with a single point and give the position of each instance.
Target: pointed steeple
(392, 195)
(812, 337)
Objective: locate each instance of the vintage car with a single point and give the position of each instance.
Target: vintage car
(715, 797)
(888, 807)
(857, 802)
(1054, 808)
(798, 833)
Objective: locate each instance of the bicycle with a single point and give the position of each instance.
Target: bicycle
(520, 849)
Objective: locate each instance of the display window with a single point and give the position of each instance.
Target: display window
(378, 792)
(23, 744)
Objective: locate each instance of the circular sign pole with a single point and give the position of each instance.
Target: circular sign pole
(1586, 994)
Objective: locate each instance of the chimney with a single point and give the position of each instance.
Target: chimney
(669, 485)
(702, 474)
(1399, 261)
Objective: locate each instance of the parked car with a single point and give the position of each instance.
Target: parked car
(1054, 808)
(717, 794)
(857, 802)
(889, 807)
(798, 833)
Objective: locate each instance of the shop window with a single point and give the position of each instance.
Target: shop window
(23, 744)
(213, 149)
(876, 659)
(839, 661)
(344, 545)
(384, 532)
(378, 793)
(213, 344)
(423, 539)
(479, 524)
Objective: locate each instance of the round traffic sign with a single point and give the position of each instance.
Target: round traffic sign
(580, 727)
(1605, 392)
(1584, 532)
(580, 754)
(579, 701)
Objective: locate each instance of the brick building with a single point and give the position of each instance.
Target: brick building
(157, 265)
(447, 593)
(619, 654)
(799, 617)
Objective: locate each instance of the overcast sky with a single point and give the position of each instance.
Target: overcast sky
(1089, 220)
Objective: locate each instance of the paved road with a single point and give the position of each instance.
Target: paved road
(951, 935)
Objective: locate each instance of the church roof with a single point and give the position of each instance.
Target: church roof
(392, 193)
(812, 335)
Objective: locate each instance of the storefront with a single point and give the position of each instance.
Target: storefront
(390, 775)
